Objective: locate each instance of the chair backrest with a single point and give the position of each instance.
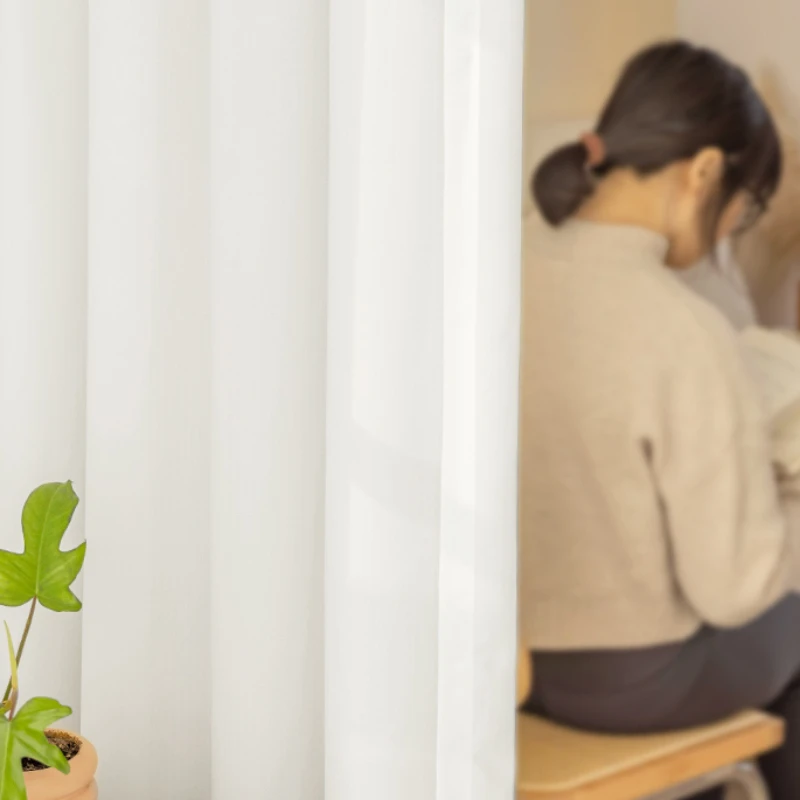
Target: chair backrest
(524, 675)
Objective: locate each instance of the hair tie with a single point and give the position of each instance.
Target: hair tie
(595, 149)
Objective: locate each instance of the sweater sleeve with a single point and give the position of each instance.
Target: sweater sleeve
(734, 554)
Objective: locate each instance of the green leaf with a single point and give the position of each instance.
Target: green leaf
(43, 570)
(23, 737)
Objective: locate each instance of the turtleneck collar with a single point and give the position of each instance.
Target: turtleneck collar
(621, 242)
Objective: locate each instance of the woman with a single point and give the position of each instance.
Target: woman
(659, 575)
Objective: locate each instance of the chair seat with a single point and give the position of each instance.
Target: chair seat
(559, 763)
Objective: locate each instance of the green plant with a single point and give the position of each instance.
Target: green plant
(41, 575)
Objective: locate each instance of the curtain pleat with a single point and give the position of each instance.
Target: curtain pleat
(43, 180)
(426, 104)
(269, 151)
(146, 675)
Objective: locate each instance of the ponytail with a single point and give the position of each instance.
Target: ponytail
(562, 182)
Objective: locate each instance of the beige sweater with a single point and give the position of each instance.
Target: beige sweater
(648, 505)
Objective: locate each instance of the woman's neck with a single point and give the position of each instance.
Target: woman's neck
(624, 198)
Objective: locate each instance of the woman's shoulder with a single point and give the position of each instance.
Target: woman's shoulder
(689, 314)
(616, 276)
(701, 337)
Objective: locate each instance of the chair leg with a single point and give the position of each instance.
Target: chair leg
(744, 782)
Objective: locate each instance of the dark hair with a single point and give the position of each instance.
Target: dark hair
(671, 101)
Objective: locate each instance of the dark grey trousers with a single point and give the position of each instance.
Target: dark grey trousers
(714, 674)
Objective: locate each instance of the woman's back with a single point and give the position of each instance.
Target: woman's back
(625, 371)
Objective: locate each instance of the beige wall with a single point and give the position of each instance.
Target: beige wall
(573, 52)
(761, 36)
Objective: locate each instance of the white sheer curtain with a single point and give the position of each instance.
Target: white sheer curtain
(147, 696)
(259, 298)
(423, 330)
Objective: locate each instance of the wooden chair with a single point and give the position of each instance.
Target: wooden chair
(559, 763)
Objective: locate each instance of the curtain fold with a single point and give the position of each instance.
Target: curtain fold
(259, 299)
(269, 150)
(43, 152)
(481, 267)
(426, 105)
(146, 685)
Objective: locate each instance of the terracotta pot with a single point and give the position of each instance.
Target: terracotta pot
(50, 784)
